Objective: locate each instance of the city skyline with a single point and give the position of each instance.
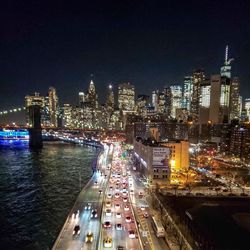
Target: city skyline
(149, 45)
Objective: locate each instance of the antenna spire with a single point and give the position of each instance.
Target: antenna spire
(226, 54)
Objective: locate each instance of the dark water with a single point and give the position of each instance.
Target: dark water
(37, 190)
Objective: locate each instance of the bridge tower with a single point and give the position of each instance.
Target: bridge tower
(35, 130)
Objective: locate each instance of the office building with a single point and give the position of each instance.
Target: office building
(110, 102)
(176, 102)
(126, 97)
(142, 102)
(235, 98)
(92, 97)
(187, 92)
(198, 78)
(168, 101)
(53, 107)
(247, 108)
(81, 98)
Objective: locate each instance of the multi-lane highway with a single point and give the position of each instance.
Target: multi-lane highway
(90, 199)
(119, 230)
(103, 216)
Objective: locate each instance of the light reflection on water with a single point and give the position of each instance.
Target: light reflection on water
(37, 190)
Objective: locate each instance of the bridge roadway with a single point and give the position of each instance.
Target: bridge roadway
(90, 194)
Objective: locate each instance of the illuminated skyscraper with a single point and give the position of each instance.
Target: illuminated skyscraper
(214, 111)
(198, 78)
(161, 102)
(110, 102)
(187, 92)
(81, 98)
(53, 106)
(141, 103)
(155, 99)
(168, 101)
(247, 107)
(234, 98)
(176, 94)
(67, 116)
(92, 96)
(205, 94)
(226, 68)
(126, 97)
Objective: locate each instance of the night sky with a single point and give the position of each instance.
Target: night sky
(148, 43)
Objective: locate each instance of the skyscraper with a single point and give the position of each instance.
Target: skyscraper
(247, 107)
(155, 99)
(224, 98)
(198, 78)
(81, 98)
(126, 97)
(168, 101)
(205, 94)
(214, 110)
(187, 92)
(158, 101)
(234, 98)
(53, 106)
(142, 102)
(110, 102)
(176, 94)
(226, 68)
(92, 96)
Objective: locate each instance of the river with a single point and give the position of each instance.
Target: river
(38, 189)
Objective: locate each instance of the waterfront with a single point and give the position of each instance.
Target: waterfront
(37, 190)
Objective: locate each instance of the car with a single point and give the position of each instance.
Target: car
(77, 230)
(93, 213)
(108, 204)
(118, 215)
(128, 219)
(124, 193)
(107, 224)
(117, 195)
(75, 215)
(109, 195)
(118, 226)
(120, 247)
(126, 208)
(107, 242)
(131, 191)
(108, 212)
(125, 199)
(140, 194)
(117, 206)
(142, 208)
(131, 234)
(87, 206)
(145, 215)
(89, 237)
(100, 191)
(111, 188)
